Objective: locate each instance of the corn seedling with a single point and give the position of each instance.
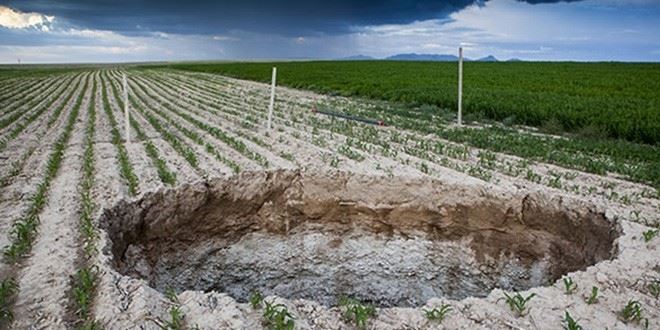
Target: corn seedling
(654, 288)
(569, 285)
(125, 166)
(593, 297)
(517, 303)
(571, 324)
(166, 176)
(356, 312)
(277, 317)
(438, 314)
(256, 298)
(7, 290)
(632, 313)
(25, 229)
(83, 289)
(184, 150)
(176, 320)
(650, 234)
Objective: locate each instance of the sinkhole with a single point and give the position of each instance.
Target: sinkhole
(322, 236)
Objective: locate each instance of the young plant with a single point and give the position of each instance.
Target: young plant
(438, 314)
(356, 312)
(650, 234)
(593, 297)
(7, 289)
(632, 313)
(176, 320)
(571, 324)
(569, 285)
(517, 303)
(256, 298)
(654, 288)
(176, 315)
(277, 317)
(84, 284)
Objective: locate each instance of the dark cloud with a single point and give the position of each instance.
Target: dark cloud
(534, 2)
(285, 17)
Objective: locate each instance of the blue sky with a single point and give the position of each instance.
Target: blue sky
(42, 31)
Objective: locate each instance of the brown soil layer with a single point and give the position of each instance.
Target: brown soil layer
(254, 231)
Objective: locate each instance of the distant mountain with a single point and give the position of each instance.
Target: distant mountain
(423, 57)
(489, 58)
(357, 58)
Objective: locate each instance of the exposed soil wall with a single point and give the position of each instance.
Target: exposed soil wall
(393, 242)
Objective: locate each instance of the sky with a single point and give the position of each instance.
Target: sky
(65, 31)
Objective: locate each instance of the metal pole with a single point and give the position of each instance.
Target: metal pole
(272, 98)
(128, 140)
(460, 86)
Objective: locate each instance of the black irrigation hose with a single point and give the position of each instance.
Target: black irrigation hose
(377, 122)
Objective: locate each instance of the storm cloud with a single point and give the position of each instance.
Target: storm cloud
(287, 18)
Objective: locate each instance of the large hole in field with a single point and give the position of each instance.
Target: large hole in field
(388, 241)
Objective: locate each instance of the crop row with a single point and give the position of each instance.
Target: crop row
(85, 279)
(164, 173)
(39, 110)
(218, 133)
(13, 112)
(192, 135)
(125, 167)
(637, 162)
(616, 99)
(484, 164)
(25, 229)
(18, 164)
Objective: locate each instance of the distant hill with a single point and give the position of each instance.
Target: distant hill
(514, 60)
(489, 58)
(357, 58)
(423, 57)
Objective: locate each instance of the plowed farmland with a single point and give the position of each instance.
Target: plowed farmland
(207, 219)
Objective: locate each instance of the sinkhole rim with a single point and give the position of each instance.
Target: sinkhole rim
(170, 237)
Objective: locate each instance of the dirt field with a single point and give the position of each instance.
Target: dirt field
(205, 201)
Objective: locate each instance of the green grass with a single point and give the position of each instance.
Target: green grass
(619, 100)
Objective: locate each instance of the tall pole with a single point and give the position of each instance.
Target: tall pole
(460, 86)
(128, 140)
(272, 98)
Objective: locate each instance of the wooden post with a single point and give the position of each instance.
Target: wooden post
(272, 98)
(128, 140)
(460, 86)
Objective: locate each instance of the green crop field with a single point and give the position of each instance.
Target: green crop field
(616, 100)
